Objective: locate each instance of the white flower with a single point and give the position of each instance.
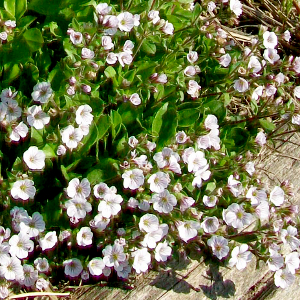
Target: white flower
(107, 43)
(286, 36)
(124, 270)
(292, 261)
(149, 223)
(125, 58)
(196, 161)
(257, 93)
(11, 269)
(142, 259)
(133, 179)
(3, 111)
(113, 255)
(263, 210)
(254, 64)
(30, 275)
(4, 234)
(135, 99)
(96, 266)
(61, 150)
(209, 201)
(76, 37)
(288, 236)
(181, 137)
(162, 251)
(110, 206)
(200, 175)
(240, 257)
(136, 19)
(219, 246)
(101, 190)
(37, 118)
(193, 88)
(20, 245)
(42, 264)
(13, 111)
(71, 136)
(275, 262)
(159, 181)
(77, 189)
(256, 196)
(84, 237)
(18, 214)
(270, 39)
(296, 119)
(211, 122)
(48, 241)
(210, 224)
(4, 292)
(73, 267)
(250, 168)
(23, 189)
(283, 278)
(236, 7)
(236, 216)
(271, 55)
(192, 56)
(87, 53)
(168, 28)
(128, 46)
(153, 16)
(34, 158)
(164, 202)
(20, 131)
(42, 284)
(32, 226)
(234, 186)
(42, 92)
(3, 35)
(188, 230)
(209, 140)
(261, 138)
(211, 6)
(241, 85)
(126, 21)
(78, 207)
(270, 90)
(225, 60)
(151, 238)
(297, 91)
(111, 58)
(277, 196)
(99, 223)
(83, 115)
(103, 9)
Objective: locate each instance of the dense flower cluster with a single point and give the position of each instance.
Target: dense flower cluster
(141, 142)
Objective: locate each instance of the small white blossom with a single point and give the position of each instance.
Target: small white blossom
(275, 262)
(20, 245)
(236, 216)
(283, 278)
(125, 58)
(133, 179)
(288, 236)
(210, 201)
(42, 92)
(11, 269)
(219, 246)
(113, 256)
(34, 158)
(61, 150)
(36, 117)
(271, 55)
(240, 257)
(30, 275)
(83, 115)
(241, 85)
(188, 230)
(286, 36)
(110, 206)
(164, 202)
(270, 39)
(192, 56)
(128, 46)
(126, 21)
(225, 60)
(76, 37)
(168, 28)
(210, 224)
(111, 58)
(42, 264)
(261, 138)
(23, 189)
(142, 260)
(135, 99)
(103, 9)
(73, 267)
(79, 189)
(20, 131)
(32, 226)
(162, 251)
(71, 136)
(236, 7)
(254, 64)
(153, 16)
(277, 196)
(96, 266)
(149, 223)
(84, 237)
(48, 241)
(78, 207)
(159, 181)
(107, 43)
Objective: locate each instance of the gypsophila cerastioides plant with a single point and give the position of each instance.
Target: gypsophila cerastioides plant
(129, 133)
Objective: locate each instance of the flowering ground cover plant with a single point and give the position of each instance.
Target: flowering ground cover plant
(129, 133)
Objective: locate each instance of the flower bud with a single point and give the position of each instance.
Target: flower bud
(77, 64)
(86, 88)
(72, 80)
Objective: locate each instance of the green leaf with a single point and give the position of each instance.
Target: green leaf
(110, 72)
(210, 187)
(16, 8)
(187, 117)
(148, 47)
(157, 122)
(34, 39)
(49, 152)
(196, 11)
(45, 7)
(12, 73)
(116, 122)
(267, 125)
(245, 239)
(36, 137)
(217, 108)
(97, 132)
